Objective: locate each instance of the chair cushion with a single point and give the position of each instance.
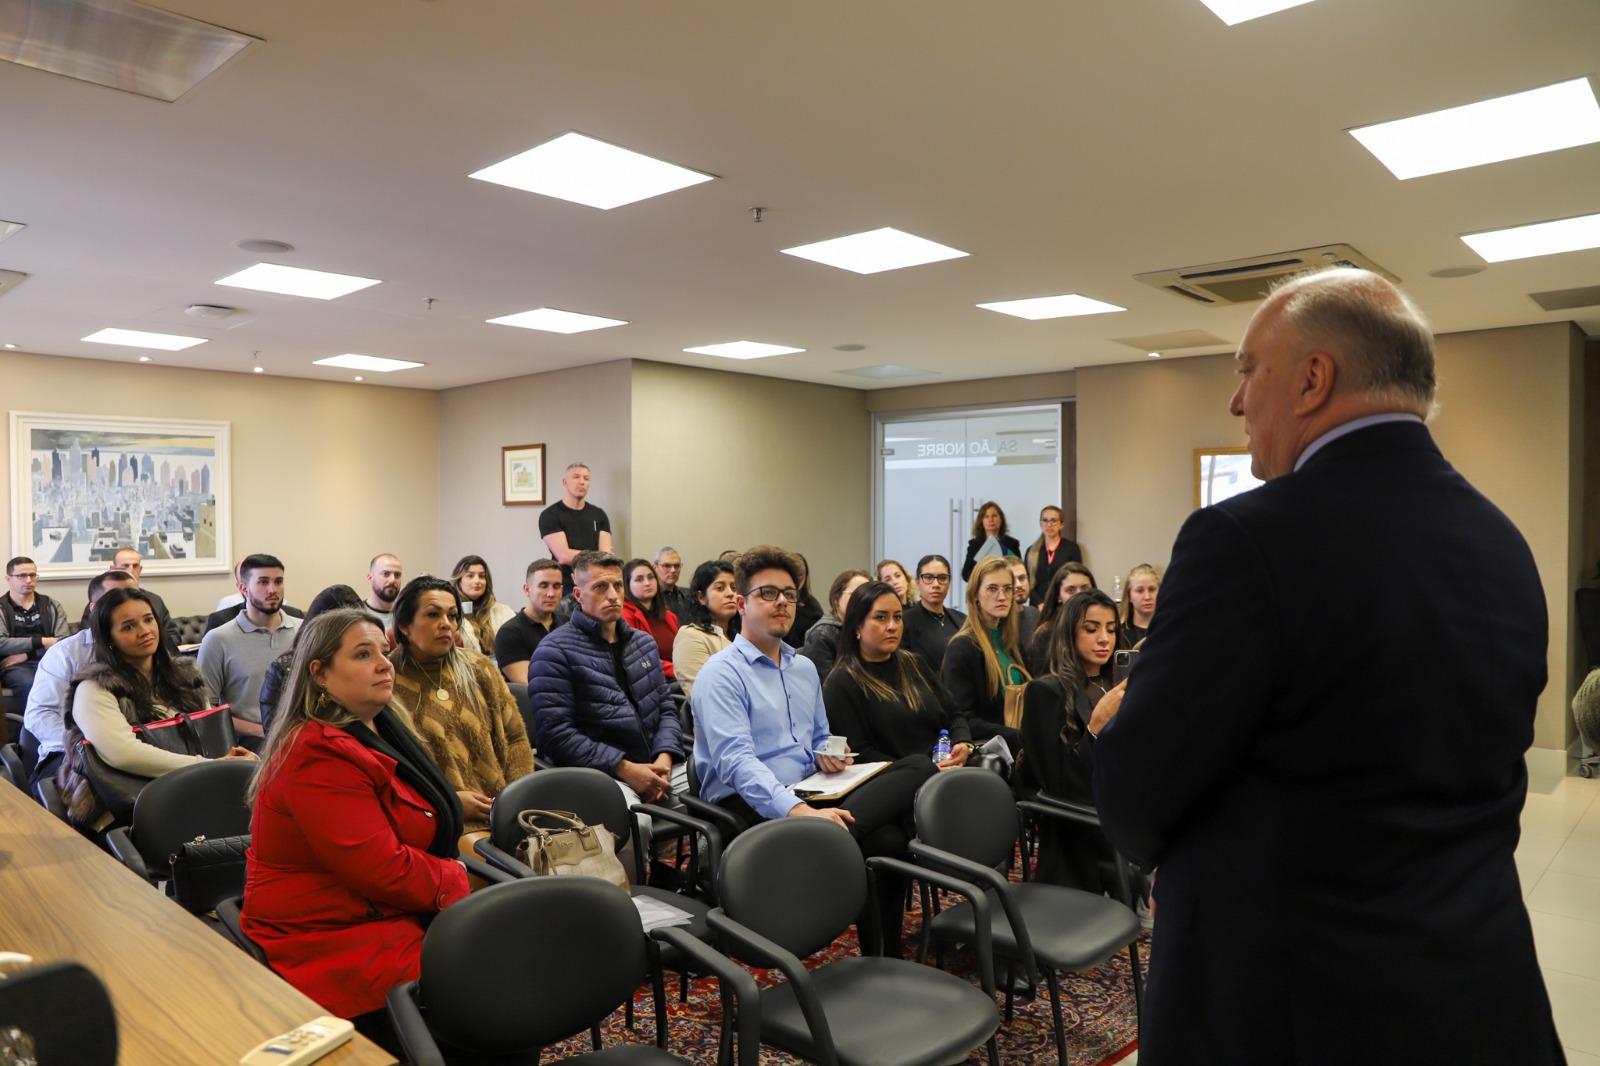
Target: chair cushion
(878, 1011)
(1070, 929)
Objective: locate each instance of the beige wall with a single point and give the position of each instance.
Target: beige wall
(1031, 388)
(727, 460)
(579, 415)
(324, 474)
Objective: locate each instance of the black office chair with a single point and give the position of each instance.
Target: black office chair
(516, 968)
(519, 692)
(203, 800)
(57, 1014)
(12, 768)
(789, 887)
(49, 797)
(595, 798)
(968, 823)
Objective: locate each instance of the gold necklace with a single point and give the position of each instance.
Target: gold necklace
(440, 693)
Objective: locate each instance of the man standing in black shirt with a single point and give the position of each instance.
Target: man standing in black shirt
(570, 525)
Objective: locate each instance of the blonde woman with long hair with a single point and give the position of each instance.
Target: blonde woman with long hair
(1138, 604)
(983, 660)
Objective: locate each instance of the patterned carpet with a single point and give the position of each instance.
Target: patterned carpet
(1097, 1007)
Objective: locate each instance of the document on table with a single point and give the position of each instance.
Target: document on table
(821, 786)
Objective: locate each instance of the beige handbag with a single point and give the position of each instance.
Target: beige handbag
(573, 849)
(1014, 706)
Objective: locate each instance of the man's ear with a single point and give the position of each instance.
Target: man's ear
(1315, 376)
(738, 603)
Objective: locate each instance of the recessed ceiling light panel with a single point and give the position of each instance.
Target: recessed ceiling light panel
(133, 338)
(1541, 238)
(1234, 12)
(1508, 127)
(1041, 307)
(586, 171)
(374, 363)
(297, 281)
(876, 250)
(743, 350)
(553, 321)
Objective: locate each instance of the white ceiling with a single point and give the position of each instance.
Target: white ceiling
(1067, 145)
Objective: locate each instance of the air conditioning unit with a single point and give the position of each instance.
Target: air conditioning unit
(1245, 280)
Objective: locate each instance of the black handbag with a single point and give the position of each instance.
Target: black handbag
(117, 790)
(208, 732)
(207, 871)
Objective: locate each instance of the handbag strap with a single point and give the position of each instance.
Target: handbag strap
(528, 819)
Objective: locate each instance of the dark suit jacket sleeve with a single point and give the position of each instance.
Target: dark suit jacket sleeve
(1198, 694)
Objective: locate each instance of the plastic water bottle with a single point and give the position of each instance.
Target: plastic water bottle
(941, 748)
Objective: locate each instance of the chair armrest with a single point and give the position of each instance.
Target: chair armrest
(492, 874)
(990, 880)
(1065, 811)
(984, 948)
(121, 845)
(231, 920)
(541, 763)
(735, 979)
(805, 993)
(699, 825)
(724, 819)
(406, 1017)
(501, 860)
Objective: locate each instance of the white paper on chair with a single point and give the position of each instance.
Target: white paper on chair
(996, 745)
(654, 914)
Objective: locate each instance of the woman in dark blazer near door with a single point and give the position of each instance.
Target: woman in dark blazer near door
(990, 537)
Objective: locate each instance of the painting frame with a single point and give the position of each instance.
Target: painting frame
(521, 467)
(1213, 466)
(180, 531)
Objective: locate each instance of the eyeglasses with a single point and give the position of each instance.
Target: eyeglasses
(772, 594)
(25, 575)
(1049, 521)
(1004, 590)
(934, 579)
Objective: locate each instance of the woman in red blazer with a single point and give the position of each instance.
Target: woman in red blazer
(353, 839)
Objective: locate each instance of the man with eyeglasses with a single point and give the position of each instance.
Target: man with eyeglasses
(669, 567)
(760, 721)
(1047, 554)
(929, 624)
(29, 623)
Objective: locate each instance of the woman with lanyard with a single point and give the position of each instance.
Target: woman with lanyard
(983, 663)
(1047, 554)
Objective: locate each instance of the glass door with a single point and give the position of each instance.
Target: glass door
(935, 471)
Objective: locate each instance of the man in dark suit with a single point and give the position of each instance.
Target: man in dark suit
(1322, 744)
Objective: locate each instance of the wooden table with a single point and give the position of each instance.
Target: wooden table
(183, 993)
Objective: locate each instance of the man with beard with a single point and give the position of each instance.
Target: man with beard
(384, 579)
(234, 657)
(229, 607)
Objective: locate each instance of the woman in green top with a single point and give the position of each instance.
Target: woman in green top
(983, 659)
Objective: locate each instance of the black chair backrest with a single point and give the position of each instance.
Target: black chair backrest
(50, 798)
(591, 795)
(520, 966)
(519, 692)
(1588, 602)
(57, 1014)
(28, 745)
(970, 813)
(206, 799)
(11, 767)
(796, 881)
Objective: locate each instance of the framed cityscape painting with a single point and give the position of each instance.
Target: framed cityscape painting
(83, 486)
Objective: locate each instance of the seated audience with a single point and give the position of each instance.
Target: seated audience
(384, 575)
(669, 567)
(713, 621)
(130, 679)
(30, 622)
(481, 614)
(456, 701)
(1069, 580)
(929, 623)
(45, 715)
(759, 719)
(644, 609)
(983, 661)
(1138, 604)
(515, 643)
(1046, 555)
(899, 580)
(331, 598)
(1057, 759)
(354, 832)
(808, 612)
(234, 657)
(598, 692)
(822, 642)
(129, 559)
(883, 699)
(1027, 613)
(990, 539)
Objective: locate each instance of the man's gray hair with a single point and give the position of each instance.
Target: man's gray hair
(575, 466)
(664, 549)
(1379, 337)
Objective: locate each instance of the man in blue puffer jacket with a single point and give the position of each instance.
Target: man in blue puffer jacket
(599, 695)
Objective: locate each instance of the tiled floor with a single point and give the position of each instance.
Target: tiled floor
(1559, 860)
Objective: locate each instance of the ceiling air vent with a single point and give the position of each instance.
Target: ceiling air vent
(1244, 280)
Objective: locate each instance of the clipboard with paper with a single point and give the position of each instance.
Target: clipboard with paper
(830, 787)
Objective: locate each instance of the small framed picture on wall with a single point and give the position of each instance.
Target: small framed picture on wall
(522, 474)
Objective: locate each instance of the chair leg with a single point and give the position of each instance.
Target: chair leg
(994, 1050)
(658, 987)
(725, 1034)
(1054, 985)
(1010, 990)
(1138, 982)
(594, 1036)
(627, 1014)
(683, 986)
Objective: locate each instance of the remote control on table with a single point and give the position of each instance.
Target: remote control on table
(299, 1046)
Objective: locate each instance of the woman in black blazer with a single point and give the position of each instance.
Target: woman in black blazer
(989, 525)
